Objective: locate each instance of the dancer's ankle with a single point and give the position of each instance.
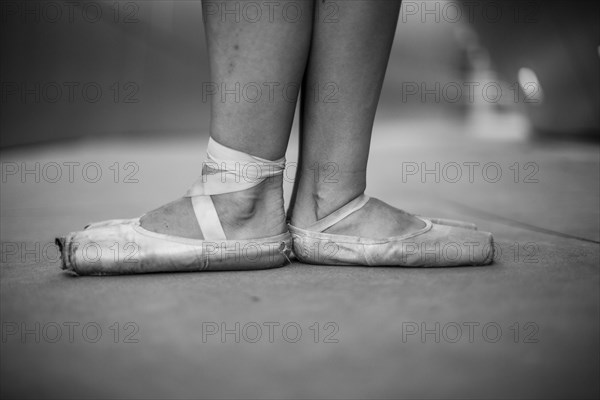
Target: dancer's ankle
(317, 199)
(253, 213)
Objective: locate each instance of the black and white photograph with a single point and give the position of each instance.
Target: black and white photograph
(299, 199)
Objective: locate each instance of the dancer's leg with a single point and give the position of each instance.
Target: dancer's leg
(256, 64)
(351, 54)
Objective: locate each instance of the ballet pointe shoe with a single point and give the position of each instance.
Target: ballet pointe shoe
(434, 245)
(123, 246)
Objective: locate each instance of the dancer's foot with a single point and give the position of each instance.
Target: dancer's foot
(230, 219)
(350, 236)
(252, 213)
(375, 220)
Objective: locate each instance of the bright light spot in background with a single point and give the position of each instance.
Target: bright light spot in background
(530, 84)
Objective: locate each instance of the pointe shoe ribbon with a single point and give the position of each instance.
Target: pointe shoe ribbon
(434, 245)
(123, 246)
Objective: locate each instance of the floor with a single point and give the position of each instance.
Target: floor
(525, 327)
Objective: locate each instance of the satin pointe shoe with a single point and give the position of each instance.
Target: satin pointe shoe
(434, 245)
(123, 246)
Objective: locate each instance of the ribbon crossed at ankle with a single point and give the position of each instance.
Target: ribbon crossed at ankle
(227, 170)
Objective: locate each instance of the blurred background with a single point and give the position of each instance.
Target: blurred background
(114, 90)
(104, 68)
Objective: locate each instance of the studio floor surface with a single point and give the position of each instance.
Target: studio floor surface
(525, 327)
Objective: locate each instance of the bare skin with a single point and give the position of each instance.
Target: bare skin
(351, 54)
(270, 55)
